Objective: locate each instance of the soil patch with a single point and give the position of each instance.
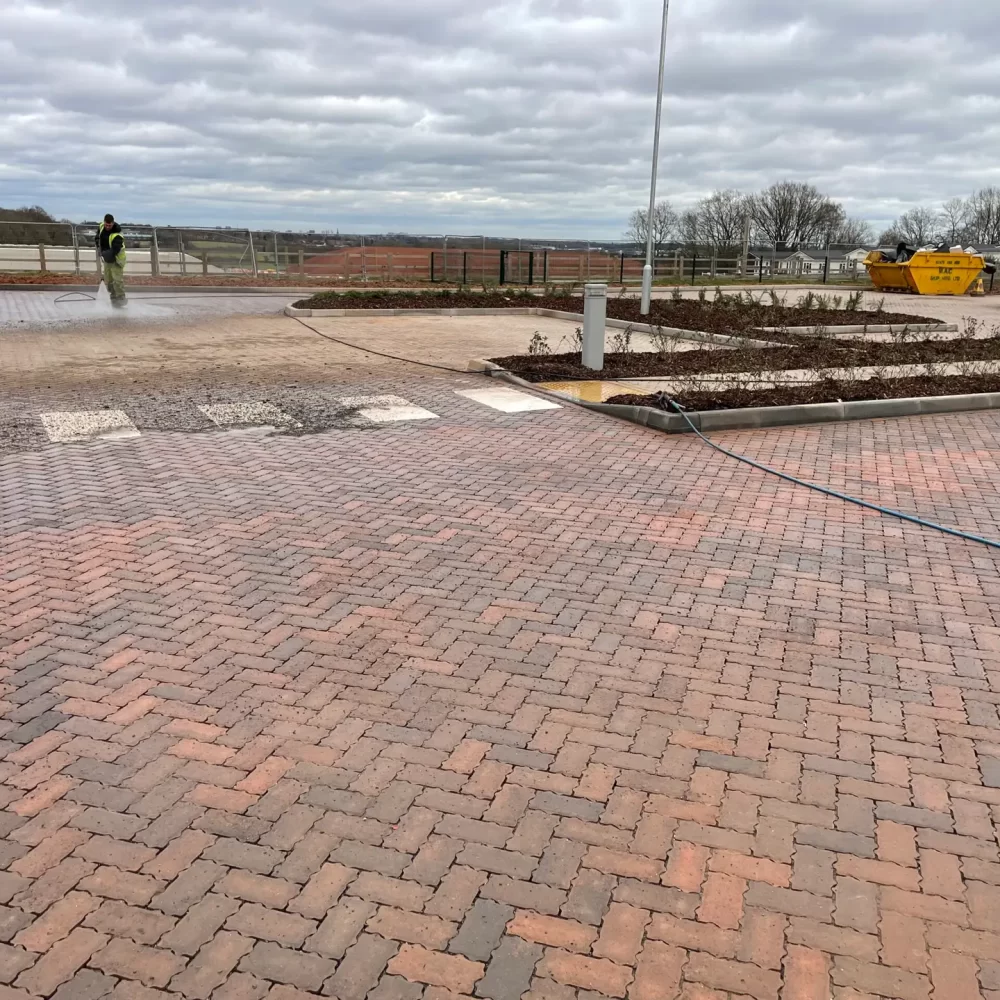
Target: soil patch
(827, 391)
(733, 316)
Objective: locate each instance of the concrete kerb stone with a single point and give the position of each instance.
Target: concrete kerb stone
(760, 416)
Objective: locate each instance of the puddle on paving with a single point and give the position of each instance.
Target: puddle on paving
(592, 392)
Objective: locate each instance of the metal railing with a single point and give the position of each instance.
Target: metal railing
(309, 257)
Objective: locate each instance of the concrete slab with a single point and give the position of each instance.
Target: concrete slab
(63, 426)
(508, 400)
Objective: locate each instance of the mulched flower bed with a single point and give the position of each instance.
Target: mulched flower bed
(810, 353)
(730, 317)
(828, 391)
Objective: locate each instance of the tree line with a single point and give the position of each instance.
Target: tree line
(46, 229)
(788, 215)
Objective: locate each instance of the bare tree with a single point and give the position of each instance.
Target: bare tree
(890, 237)
(687, 228)
(664, 226)
(852, 231)
(720, 218)
(918, 226)
(789, 214)
(953, 221)
(984, 216)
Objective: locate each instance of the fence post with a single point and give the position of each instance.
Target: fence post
(276, 268)
(253, 253)
(503, 266)
(364, 265)
(826, 269)
(694, 267)
(302, 261)
(204, 262)
(180, 249)
(432, 267)
(465, 268)
(41, 257)
(715, 262)
(545, 267)
(154, 255)
(388, 268)
(531, 267)
(76, 250)
(760, 261)
(621, 269)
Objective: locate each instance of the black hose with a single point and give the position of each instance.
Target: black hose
(667, 403)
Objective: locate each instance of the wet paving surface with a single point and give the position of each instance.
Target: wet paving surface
(91, 307)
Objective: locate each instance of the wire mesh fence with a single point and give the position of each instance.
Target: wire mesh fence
(309, 257)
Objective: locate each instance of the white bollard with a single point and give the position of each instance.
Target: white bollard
(595, 310)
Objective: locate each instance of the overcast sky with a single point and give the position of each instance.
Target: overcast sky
(517, 117)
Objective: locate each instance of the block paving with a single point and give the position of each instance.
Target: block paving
(555, 708)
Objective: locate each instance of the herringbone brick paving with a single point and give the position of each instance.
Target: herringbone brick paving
(549, 706)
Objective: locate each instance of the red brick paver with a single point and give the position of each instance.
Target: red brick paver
(556, 707)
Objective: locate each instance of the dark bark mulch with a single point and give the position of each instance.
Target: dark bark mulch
(812, 353)
(829, 391)
(731, 317)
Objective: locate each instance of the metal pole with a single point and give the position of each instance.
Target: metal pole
(76, 250)
(745, 263)
(154, 255)
(276, 268)
(647, 271)
(180, 247)
(253, 253)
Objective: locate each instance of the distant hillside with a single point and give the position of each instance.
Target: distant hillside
(14, 230)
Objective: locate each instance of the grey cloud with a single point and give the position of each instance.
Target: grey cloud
(505, 116)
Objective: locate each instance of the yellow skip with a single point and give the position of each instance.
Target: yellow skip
(926, 272)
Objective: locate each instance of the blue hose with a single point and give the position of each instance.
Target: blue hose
(664, 398)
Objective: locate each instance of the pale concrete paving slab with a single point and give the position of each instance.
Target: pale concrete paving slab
(63, 427)
(385, 409)
(508, 400)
